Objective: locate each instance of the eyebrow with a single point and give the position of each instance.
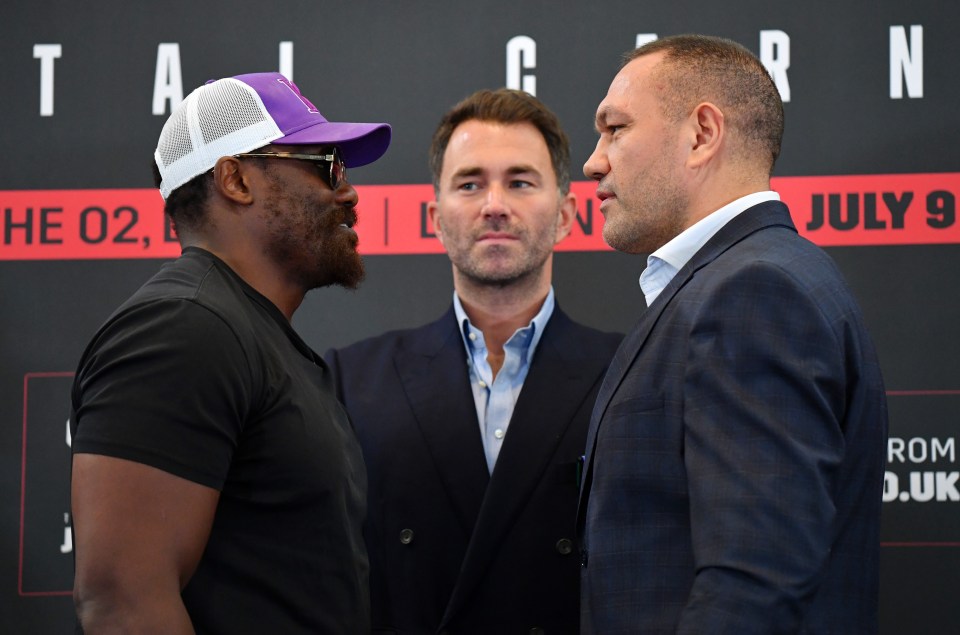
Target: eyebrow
(477, 171)
(601, 118)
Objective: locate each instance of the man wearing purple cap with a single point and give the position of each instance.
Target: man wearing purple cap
(217, 485)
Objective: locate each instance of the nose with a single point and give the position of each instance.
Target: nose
(346, 194)
(495, 203)
(597, 165)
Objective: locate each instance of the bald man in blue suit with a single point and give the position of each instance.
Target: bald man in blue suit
(735, 455)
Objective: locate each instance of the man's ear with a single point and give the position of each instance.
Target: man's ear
(232, 180)
(433, 213)
(568, 211)
(708, 130)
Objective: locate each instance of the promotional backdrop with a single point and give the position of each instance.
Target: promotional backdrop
(869, 168)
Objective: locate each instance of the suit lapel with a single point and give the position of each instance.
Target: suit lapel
(559, 379)
(432, 369)
(756, 218)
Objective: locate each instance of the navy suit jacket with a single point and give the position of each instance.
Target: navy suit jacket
(735, 455)
(453, 548)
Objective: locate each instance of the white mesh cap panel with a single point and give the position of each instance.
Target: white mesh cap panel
(174, 140)
(228, 107)
(220, 119)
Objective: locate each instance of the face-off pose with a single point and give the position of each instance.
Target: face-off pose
(736, 453)
(217, 485)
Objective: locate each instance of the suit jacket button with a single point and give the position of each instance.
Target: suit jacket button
(406, 536)
(584, 557)
(564, 548)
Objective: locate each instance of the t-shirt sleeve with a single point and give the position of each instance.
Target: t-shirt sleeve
(167, 384)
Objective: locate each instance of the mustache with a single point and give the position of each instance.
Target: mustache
(498, 224)
(337, 216)
(349, 216)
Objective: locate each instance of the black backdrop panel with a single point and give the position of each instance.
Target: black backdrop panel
(406, 63)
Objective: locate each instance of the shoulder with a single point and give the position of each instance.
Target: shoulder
(193, 279)
(566, 332)
(186, 314)
(776, 262)
(175, 337)
(376, 364)
(789, 290)
(424, 339)
(760, 247)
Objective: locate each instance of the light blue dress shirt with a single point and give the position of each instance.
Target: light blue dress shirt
(495, 398)
(664, 263)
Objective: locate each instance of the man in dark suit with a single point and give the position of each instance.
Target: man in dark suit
(472, 426)
(736, 451)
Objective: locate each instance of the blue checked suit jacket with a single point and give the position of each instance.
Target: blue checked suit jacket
(735, 455)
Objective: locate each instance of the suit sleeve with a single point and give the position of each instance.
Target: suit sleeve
(763, 403)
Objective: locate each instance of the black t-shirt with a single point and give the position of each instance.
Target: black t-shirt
(201, 376)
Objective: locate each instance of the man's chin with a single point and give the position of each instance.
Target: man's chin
(351, 282)
(351, 274)
(618, 241)
(497, 277)
(346, 271)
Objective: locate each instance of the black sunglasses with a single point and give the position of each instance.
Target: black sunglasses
(336, 175)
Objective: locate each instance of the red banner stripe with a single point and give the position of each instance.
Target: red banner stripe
(893, 209)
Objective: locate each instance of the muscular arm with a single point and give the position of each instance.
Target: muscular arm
(139, 535)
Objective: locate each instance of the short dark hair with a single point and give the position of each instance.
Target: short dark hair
(700, 68)
(186, 206)
(505, 106)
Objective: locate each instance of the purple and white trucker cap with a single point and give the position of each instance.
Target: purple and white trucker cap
(240, 114)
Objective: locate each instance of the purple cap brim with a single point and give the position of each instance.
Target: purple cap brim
(302, 124)
(360, 143)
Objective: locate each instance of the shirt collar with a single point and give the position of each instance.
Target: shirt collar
(537, 324)
(671, 257)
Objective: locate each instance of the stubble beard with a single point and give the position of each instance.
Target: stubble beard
(651, 219)
(645, 230)
(500, 265)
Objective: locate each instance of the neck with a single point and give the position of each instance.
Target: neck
(714, 190)
(499, 311)
(260, 274)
